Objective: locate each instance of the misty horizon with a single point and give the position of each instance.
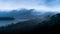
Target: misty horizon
(29, 16)
(45, 5)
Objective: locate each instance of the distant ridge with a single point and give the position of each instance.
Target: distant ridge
(7, 18)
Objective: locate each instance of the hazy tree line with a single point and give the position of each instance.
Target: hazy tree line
(29, 27)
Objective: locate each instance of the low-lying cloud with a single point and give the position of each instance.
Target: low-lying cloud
(45, 5)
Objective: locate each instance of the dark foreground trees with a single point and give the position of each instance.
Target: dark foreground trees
(29, 27)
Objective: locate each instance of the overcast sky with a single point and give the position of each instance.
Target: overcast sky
(46, 5)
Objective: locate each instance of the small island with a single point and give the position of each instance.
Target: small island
(6, 18)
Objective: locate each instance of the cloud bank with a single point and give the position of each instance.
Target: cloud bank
(45, 5)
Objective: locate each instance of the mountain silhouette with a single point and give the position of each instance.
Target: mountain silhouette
(7, 18)
(34, 26)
